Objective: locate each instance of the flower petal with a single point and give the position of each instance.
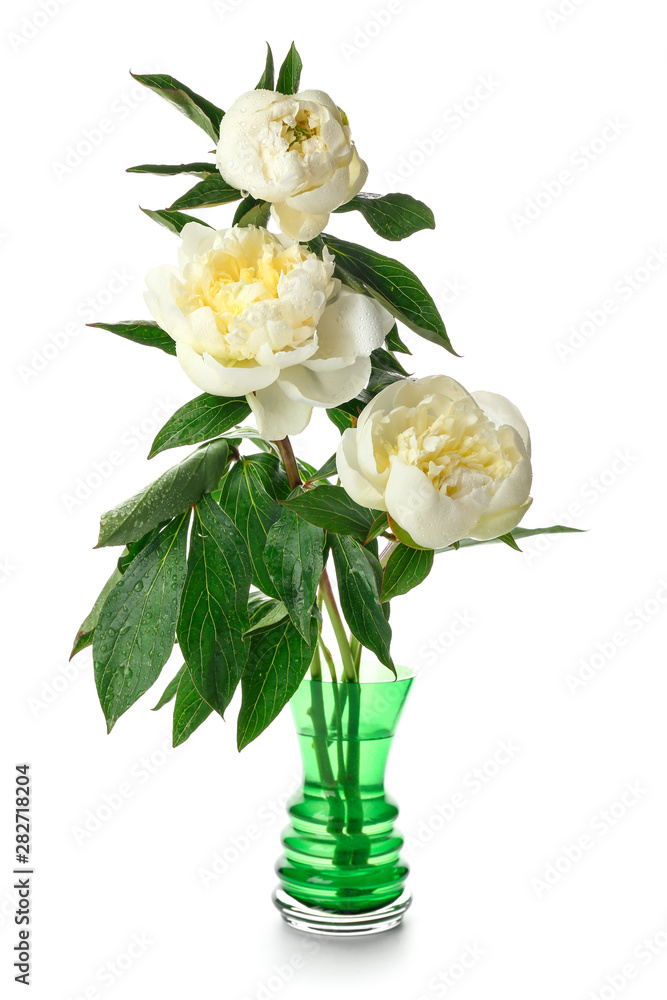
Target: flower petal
(351, 324)
(354, 481)
(211, 376)
(502, 411)
(431, 518)
(299, 225)
(276, 414)
(329, 388)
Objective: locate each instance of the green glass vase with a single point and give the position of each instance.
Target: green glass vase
(341, 871)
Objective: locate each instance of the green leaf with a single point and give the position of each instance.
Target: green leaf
(294, 560)
(509, 539)
(392, 216)
(390, 282)
(167, 169)
(250, 496)
(330, 507)
(277, 663)
(405, 569)
(394, 343)
(211, 191)
(359, 576)
(135, 633)
(193, 106)
(325, 471)
(199, 420)
(266, 615)
(267, 77)
(341, 418)
(84, 636)
(170, 691)
(140, 331)
(252, 212)
(190, 709)
(380, 524)
(555, 529)
(174, 221)
(290, 73)
(214, 607)
(385, 370)
(172, 493)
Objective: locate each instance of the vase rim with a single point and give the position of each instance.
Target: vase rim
(375, 674)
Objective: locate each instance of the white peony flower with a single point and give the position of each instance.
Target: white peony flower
(444, 463)
(294, 152)
(257, 315)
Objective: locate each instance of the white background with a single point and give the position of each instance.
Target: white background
(518, 94)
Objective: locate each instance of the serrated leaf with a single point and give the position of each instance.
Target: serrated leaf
(250, 496)
(267, 77)
(214, 606)
(252, 212)
(172, 493)
(392, 216)
(277, 663)
(140, 331)
(213, 190)
(405, 569)
(192, 105)
(173, 221)
(293, 556)
(190, 709)
(390, 282)
(199, 420)
(170, 691)
(136, 630)
(168, 169)
(359, 576)
(330, 507)
(394, 343)
(290, 73)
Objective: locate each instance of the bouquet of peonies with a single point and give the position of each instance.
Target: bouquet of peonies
(227, 553)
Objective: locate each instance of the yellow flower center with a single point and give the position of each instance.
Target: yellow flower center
(458, 449)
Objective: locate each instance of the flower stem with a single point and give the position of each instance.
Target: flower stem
(289, 461)
(338, 627)
(388, 552)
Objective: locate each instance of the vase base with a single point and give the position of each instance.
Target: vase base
(313, 920)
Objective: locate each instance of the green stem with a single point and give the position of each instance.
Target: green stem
(388, 552)
(338, 627)
(316, 666)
